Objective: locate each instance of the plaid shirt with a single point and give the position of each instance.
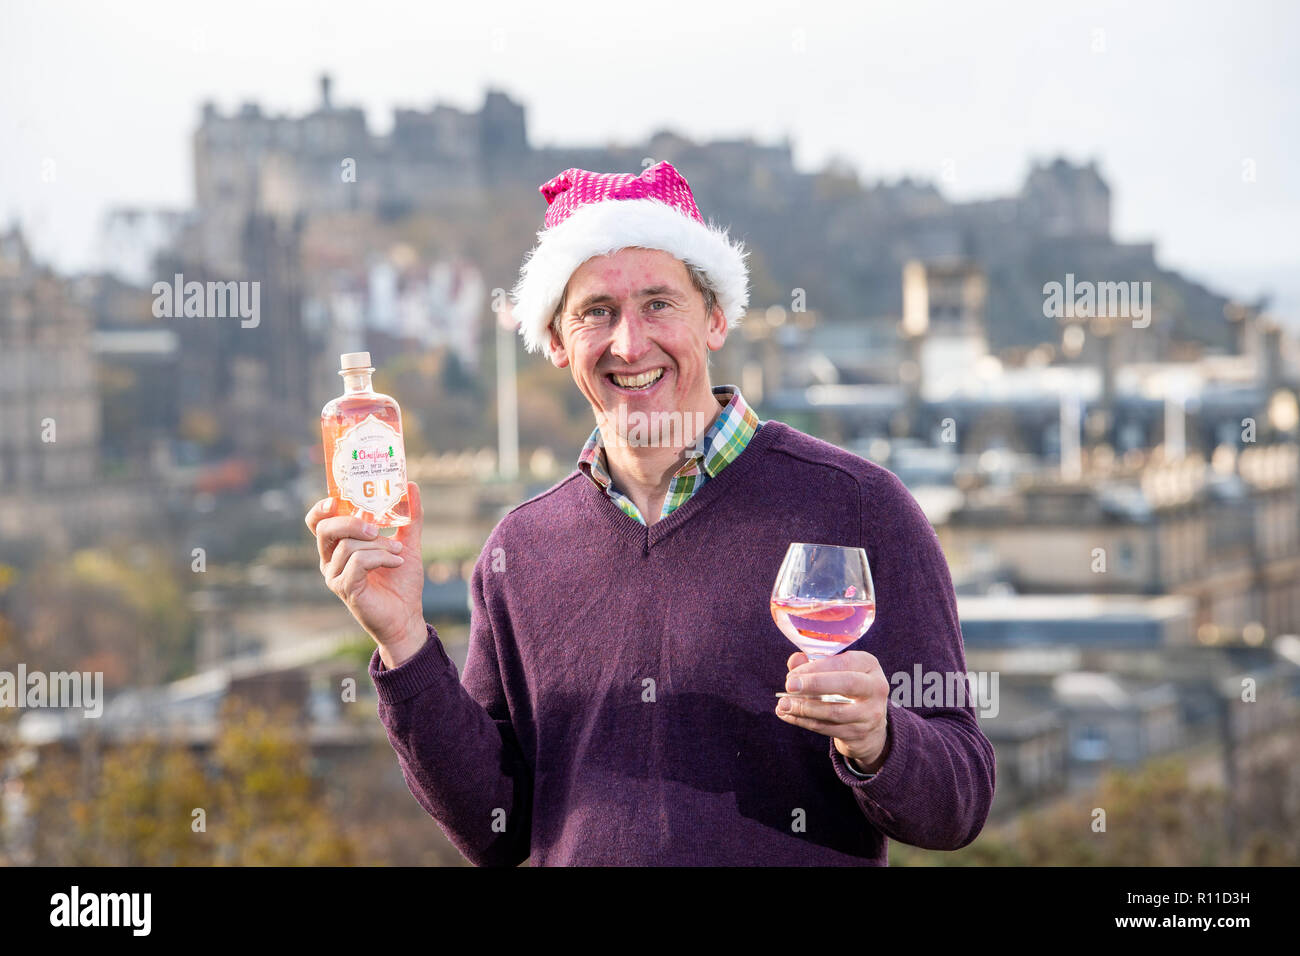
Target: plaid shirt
(722, 444)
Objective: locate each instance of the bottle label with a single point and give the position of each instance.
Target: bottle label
(370, 465)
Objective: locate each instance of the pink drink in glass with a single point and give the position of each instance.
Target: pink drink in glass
(820, 628)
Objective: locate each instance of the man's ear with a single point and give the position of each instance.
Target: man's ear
(559, 357)
(716, 333)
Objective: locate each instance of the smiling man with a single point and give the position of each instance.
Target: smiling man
(617, 705)
(637, 331)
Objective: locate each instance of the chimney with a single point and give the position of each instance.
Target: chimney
(325, 91)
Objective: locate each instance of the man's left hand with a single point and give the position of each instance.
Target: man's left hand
(858, 729)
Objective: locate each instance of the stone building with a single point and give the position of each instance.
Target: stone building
(49, 398)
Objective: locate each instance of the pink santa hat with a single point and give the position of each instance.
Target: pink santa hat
(591, 214)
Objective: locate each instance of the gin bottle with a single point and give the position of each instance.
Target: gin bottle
(365, 462)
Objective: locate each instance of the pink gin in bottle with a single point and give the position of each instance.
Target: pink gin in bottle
(365, 461)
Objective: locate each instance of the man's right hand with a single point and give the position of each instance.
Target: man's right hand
(380, 579)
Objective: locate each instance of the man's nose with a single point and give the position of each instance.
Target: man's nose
(630, 341)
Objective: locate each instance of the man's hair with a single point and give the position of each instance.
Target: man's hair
(698, 279)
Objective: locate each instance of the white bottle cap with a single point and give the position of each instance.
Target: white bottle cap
(354, 360)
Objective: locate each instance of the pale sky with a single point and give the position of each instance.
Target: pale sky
(1173, 99)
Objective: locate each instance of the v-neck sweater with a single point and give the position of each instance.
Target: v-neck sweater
(617, 704)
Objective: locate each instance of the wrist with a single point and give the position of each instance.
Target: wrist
(396, 653)
(862, 766)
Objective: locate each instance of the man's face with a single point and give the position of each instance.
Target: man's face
(629, 314)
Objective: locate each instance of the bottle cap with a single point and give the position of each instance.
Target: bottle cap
(354, 360)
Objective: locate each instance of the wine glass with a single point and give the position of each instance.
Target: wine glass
(823, 601)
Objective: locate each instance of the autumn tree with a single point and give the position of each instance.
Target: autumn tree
(155, 803)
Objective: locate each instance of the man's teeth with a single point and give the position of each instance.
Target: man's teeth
(638, 381)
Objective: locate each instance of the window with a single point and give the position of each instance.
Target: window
(1090, 744)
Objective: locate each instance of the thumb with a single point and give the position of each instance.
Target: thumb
(409, 534)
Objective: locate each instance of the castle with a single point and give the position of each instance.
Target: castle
(328, 161)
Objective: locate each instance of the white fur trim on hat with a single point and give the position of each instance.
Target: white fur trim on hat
(605, 227)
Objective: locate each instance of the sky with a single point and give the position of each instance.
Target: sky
(1190, 109)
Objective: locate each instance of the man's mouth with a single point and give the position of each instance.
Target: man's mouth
(638, 382)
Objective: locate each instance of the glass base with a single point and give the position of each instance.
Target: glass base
(828, 698)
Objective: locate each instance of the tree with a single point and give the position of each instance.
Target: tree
(269, 810)
(153, 803)
(120, 609)
(1154, 816)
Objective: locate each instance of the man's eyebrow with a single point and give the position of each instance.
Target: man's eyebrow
(591, 300)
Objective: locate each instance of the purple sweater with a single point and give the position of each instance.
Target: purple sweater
(617, 705)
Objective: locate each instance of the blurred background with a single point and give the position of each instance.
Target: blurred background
(1116, 487)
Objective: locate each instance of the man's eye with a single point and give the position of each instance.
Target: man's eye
(591, 314)
(666, 305)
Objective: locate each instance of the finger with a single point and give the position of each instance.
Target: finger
(330, 531)
(852, 661)
(795, 660)
(828, 727)
(826, 712)
(355, 575)
(849, 683)
(850, 734)
(811, 718)
(317, 511)
(350, 546)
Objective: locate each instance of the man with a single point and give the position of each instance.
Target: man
(617, 705)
